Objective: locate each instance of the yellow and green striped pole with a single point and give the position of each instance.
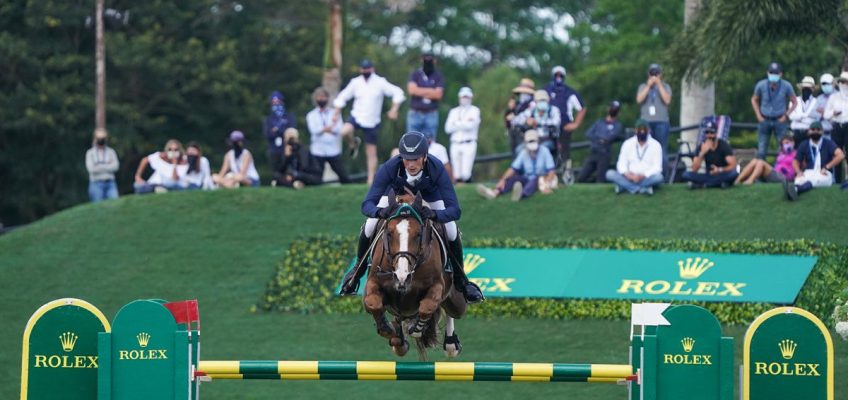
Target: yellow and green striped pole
(420, 371)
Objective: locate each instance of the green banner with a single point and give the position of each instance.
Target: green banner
(640, 275)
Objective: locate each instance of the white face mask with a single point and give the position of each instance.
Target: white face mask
(465, 101)
(172, 155)
(843, 88)
(533, 146)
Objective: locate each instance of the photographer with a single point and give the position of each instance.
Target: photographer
(654, 96)
(543, 118)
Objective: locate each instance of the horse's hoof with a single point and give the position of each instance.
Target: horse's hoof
(401, 350)
(452, 346)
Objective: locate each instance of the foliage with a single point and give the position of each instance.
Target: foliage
(307, 278)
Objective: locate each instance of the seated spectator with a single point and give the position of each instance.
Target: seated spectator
(761, 170)
(299, 168)
(101, 161)
(199, 173)
(543, 118)
(326, 135)
(639, 166)
(169, 169)
(462, 125)
(720, 162)
(532, 170)
(439, 151)
(238, 168)
(814, 163)
(601, 135)
(522, 100)
(806, 111)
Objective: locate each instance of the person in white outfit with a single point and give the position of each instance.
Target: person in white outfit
(462, 125)
(367, 92)
(238, 168)
(814, 162)
(199, 174)
(836, 111)
(169, 170)
(805, 113)
(826, 84)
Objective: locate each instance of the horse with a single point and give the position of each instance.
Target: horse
(407, 278)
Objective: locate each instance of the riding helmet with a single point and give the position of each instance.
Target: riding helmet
(413, 145)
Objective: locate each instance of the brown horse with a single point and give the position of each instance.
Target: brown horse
(407, 278)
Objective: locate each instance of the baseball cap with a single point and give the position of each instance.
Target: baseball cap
(654, 68)
(558, 69)
(465, 91)
(615, 104)
(531, 135)
(236, 136)
(815, 125)
(843, 76)
(366, 63)
(541, 95)
(641, 123)
(774, 68)
(826, 79)
(709, 126)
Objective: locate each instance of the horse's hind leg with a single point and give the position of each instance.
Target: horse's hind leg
(451, 342)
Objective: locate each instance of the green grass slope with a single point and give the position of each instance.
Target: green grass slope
(221, 248)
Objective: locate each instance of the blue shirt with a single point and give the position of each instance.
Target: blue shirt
(774, 98)
(602, 133)
(434, 80)
(434, 185)
(281, 123)
(530, 166)
(566, 99)
(804, 155)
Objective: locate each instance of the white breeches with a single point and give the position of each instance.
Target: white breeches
(462, 159)
(371, 223)
(815, 177)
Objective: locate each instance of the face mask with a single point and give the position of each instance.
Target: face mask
(613, 112)
(827, 88)
(321, 103)
(843, 88)
(465, 101)
(532, 146)
(366, 75)
(428, 67)
(172, 155)
(787, 147)
(237, 146)
(642, 136)
(192, 159)
(100, 142)
(542, 106)
(815, 136)
(558, 80)
(278, 109)
(524, 97)
(773, 78)
(292, 141)
(806, 93)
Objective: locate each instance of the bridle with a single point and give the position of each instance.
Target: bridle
(405, 211)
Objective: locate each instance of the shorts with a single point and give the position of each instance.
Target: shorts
(370, 134)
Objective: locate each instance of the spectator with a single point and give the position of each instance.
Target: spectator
(805, 112)
(826, 82)
(276, 124)
(772, 101)
(601, 135)
(199, 173)
(639, 166)
(299, 168)
(522, 100)
(238, 168)
(654, 96)
(542, 118)
(719, 159)
(326, 135)
(367, 91)
(534, 164)
(462, 125)
(783, 170)
(169, 169)
(836, 112)
(569, 102)
(439, 151)
(426, 87)
(814, 163)
(101, 161)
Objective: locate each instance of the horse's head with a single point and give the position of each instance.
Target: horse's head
(405, 239)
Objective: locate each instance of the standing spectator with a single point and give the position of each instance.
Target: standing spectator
(299, 168)
(639, 166)
(542, 118)
(326, 135)
(601, 135)
(169, 169)
(720, 162)
(783, 170)
(654, 96)
(805, 112)
(533, 164)
(569, 102)
(826, 82)
(238, 168)
(814, 162)
(101, 161)
(199, 173)
(772, 101)
(462, 125)
(836, 112)
(426, 87)
(276, 124)
(522, 100)
(436, 149)
(367, 91)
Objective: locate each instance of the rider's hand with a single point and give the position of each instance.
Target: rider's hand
(427, 213)
(384, 213)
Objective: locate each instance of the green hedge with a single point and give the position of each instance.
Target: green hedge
(308, 275)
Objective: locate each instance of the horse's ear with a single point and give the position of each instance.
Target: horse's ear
(417, 203)
(392, 199)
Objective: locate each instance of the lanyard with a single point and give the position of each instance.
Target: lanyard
(642, 154)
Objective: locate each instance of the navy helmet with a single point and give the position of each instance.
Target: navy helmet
(413, 145)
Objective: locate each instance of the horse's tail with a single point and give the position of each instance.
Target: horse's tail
(430, 337)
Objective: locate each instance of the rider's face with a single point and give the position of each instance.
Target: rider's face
(413, 167)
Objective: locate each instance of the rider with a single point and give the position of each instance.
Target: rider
(413, 172)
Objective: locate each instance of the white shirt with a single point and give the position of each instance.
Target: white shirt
(837, 101)
(324, 144)
(163, 171)
(640, 159)
(463, 123)
(439, 151)
(235, 164)
(367, 98)
(545, 122)
(821, 102)
(804, 114)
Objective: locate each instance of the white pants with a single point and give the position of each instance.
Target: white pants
(371, 223)
(815, 177)
(462, 159)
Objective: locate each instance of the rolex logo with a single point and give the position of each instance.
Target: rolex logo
(692, 269)
(472, 261)
(688, 343)
(787, 348)
(68, 340)
(143, 339)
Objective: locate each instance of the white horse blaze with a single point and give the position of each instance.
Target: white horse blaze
(402, 270)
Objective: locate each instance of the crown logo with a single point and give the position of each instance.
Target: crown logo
(694, 268)
(68, 340)
(787, 348)
(143, 338)
(472, 261)
(688, 343)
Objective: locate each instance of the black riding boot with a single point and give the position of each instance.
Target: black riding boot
(350, 283)
(469, 289)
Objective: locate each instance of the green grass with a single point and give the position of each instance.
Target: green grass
(221, 248)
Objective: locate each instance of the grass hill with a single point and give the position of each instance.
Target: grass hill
(221, 248)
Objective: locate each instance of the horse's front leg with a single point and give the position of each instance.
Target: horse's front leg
(428, 306)
(373, 303)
